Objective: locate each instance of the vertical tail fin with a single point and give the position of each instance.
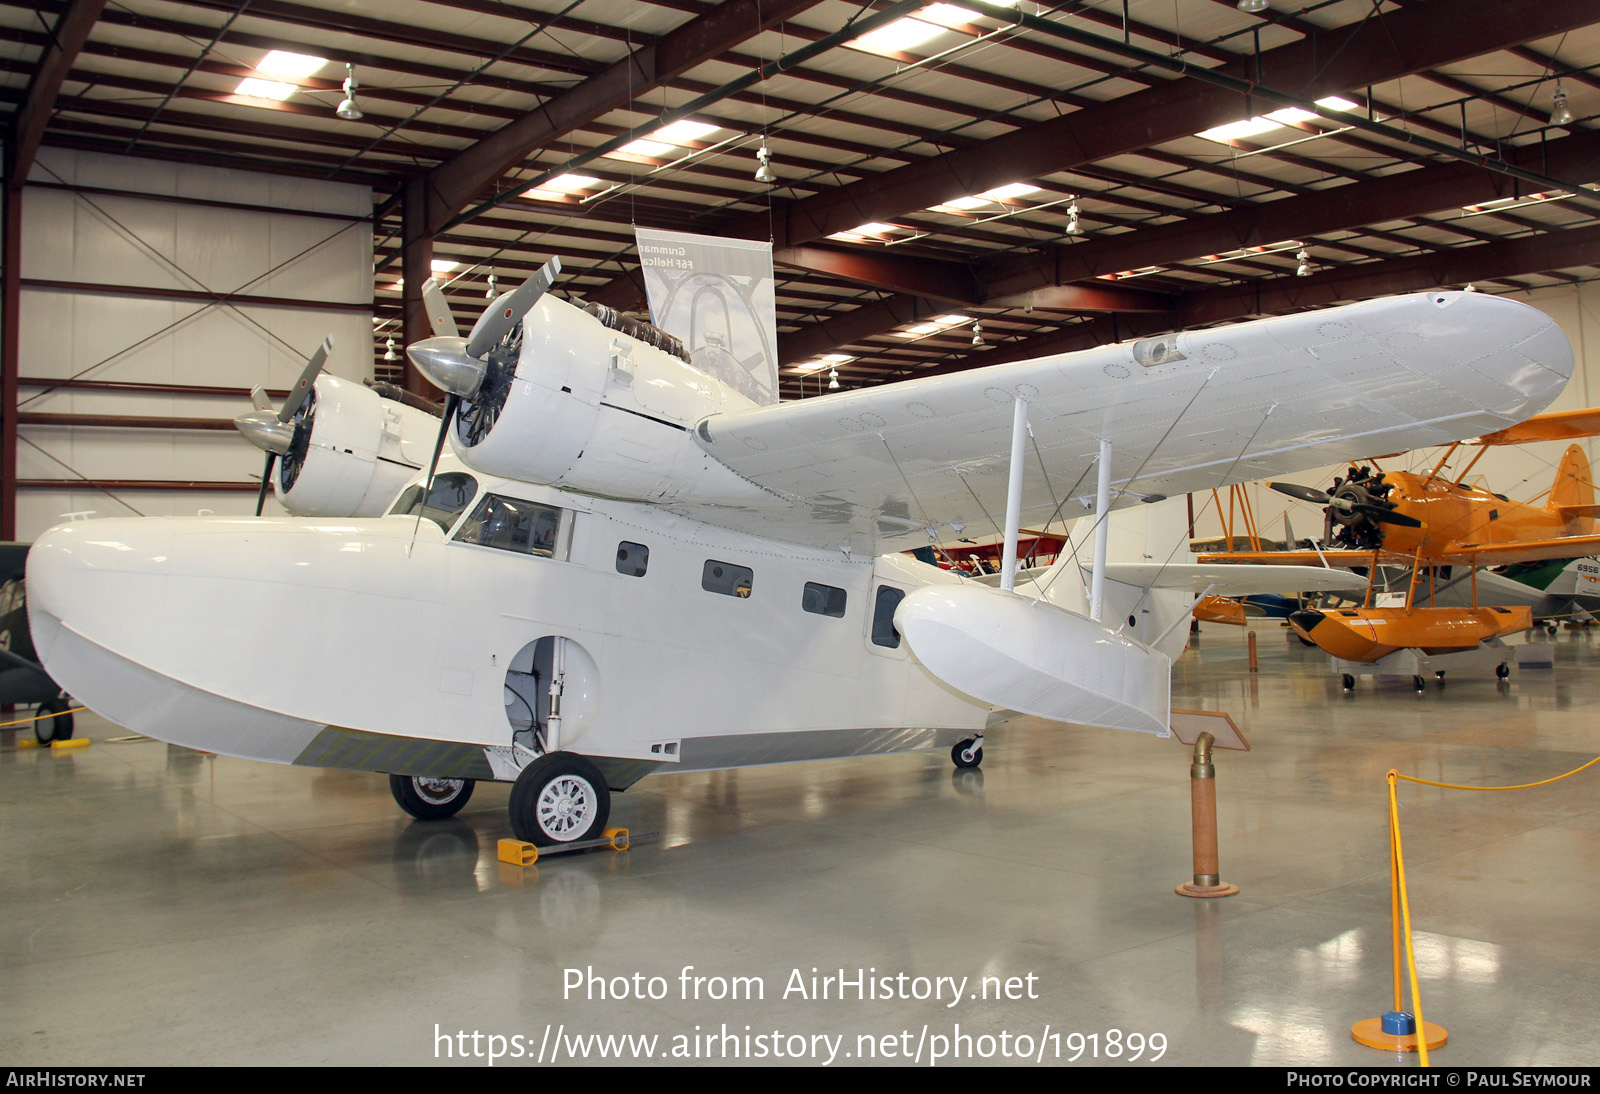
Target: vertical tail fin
(1574, 487)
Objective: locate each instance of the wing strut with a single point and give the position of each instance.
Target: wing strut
(1008, 559)
(1102, 531)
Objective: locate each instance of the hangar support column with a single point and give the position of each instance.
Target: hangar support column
(10, 348)
(416, 266)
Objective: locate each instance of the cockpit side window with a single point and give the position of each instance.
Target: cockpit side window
(512, 524)
(452, 492)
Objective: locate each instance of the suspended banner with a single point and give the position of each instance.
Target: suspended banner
(717, 296)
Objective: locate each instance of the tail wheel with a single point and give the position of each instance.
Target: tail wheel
(54, 723)
(964, 755)
(559, 798)
(428, 798)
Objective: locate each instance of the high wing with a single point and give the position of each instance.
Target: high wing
(900, 464)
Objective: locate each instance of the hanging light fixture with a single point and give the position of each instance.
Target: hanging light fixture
(977, 336)
(1560, 114)
(1252, 7)
(833, 378)
(1304, 258)
(388, 351)
(764, 162)
(1072, 219)
(488, 294)
(349, 109)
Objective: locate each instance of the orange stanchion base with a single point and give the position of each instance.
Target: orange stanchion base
(1369, 1032)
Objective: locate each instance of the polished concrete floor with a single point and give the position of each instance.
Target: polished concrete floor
(158, 906)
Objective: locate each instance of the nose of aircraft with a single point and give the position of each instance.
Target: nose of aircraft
(80, 575)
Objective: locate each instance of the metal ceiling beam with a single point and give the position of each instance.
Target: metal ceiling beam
(1428, 189)
(451, 185)
(330, 17)
(895, 311)
(1384, 48)
(1377, 50)
(67, 37)
(829, 333)
(880, 268)
(1451, 268)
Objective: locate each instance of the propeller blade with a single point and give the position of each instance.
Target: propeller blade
(441, 320)
(507, 311)
(258, 398)
(452, 402)
(302, 387)
(266, 481)
(1303, 493)
(1379, 515)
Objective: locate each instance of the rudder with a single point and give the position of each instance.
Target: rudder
(1574, 488)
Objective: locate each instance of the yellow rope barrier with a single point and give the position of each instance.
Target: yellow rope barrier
(1520, 786)
(1398, 874)
(41, 717)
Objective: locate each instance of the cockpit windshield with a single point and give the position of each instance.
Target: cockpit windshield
(452, 492)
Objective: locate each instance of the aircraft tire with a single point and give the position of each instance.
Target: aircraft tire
(559, 798)
(58, 728)
(430, 799)
(1349, 682)
(1502, 671)
(960, 747)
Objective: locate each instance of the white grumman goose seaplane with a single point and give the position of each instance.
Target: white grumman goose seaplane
(627, 565)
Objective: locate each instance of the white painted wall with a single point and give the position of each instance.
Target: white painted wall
(1520, 472)
(132, 241)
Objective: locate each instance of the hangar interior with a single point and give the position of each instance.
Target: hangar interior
(1011, 181)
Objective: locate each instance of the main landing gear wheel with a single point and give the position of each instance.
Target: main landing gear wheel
(57, 728)
(559, 798)
(1349, 682)
(1501, 671)
(964, 755)
(428, 798)
(1419, 683)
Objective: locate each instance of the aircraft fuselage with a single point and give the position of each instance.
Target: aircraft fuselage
(341, 643)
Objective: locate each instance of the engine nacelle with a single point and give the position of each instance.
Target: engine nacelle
(594, 408)
(352, 451)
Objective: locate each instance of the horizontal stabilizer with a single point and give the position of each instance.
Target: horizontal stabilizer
(1234, 579)
(1033, 657)
(1568, 512)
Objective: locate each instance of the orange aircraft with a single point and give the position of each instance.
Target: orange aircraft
(1431, 523)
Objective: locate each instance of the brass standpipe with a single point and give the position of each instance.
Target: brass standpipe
(1203, 809)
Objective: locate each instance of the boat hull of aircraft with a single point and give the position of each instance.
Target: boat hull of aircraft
(338, 648)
